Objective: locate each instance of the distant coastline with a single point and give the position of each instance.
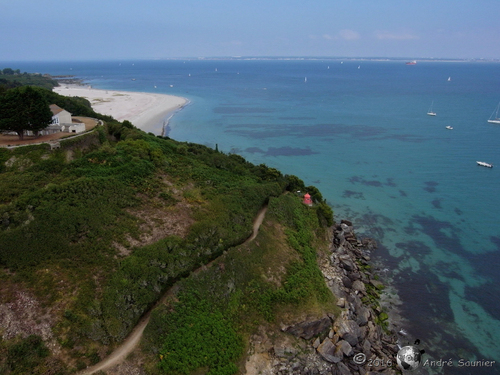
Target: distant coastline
(330, 58)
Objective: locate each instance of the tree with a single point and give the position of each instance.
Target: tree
(22, 109)
(8, 71)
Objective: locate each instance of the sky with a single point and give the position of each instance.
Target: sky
(35, 30)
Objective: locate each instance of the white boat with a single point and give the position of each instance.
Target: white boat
(430, 112)
(483, 164)
(449, 127)
(449, 79)
(494, 119)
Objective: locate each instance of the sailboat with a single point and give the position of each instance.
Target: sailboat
(430, 112)
(494, 119)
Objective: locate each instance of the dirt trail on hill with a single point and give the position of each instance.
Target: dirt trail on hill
(133, 339)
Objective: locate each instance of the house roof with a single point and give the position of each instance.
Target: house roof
(56, 109)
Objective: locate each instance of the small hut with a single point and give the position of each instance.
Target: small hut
(307, 199)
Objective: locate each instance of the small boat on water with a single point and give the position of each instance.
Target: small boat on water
(494, 119)
(430, 112)
(449, 127)
(414, 62)
(483, 164)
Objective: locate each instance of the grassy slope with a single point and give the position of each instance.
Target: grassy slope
(72, 238)
(272, 280)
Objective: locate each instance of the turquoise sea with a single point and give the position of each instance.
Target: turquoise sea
(359, 131)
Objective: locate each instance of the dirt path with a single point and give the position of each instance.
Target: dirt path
(132, 340)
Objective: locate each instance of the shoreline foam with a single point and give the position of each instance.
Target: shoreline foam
(145, 110)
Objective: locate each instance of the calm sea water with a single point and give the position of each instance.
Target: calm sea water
(358, 130)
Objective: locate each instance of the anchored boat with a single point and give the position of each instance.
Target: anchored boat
(494, 116)
(483, 164)
(430, 112)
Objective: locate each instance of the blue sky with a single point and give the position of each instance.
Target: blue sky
(126, 29)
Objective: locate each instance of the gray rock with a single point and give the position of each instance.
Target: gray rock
(367, 346)
(363, 332)
(356, 301)
(354, 276)
(344, 347)
(342, 369)
(341, 302)
(359, 286)
(337, 290)
(327, 350)
(347, 282)
(373, 332)
(347, 263)
(347, 330)
(363, 315)
(316, 342)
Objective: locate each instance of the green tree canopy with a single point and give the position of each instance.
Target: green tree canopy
(22, 109)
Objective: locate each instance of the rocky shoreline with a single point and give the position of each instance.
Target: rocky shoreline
(358, 340)
(67, 80)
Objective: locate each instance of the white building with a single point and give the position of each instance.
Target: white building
(62, 122)
(60, 116)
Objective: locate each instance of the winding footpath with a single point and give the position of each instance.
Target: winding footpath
(133, 339)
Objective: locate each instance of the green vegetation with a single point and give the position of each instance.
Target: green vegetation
(248, 286)
(10, 78)
(23, 109)
(77, 231)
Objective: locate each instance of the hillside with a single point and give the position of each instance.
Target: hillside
(93, 233)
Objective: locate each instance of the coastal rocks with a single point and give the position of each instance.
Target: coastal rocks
(329, 345)
(355, 330)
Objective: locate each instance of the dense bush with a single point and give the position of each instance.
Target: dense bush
(198, 336)
(26, 356)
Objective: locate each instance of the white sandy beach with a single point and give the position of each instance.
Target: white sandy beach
(144, 110)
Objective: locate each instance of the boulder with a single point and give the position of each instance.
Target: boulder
(354, 276)
(344, 347)
(346, 263)
(359, 286)
(327, 350)
(363, 315)
(348, 330)
(347, 282)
